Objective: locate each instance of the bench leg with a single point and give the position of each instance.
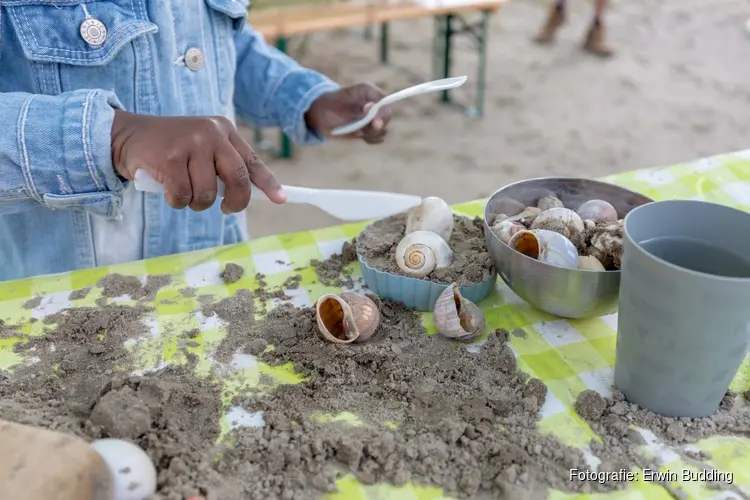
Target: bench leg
(481, 36)
(444, 50)
(384, 42)
(445, 31)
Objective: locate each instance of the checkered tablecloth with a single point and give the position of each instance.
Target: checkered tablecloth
(568, 355)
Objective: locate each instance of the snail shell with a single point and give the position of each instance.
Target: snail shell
(564, 221)
(597, 210)
(336, 320)
(508, 206)
(366, 314)
(526, 217)
(549, 201)
(457, 317)
(590, 263)
(347, 317)
(505, 229)
(433, 214)
(421, 252)
(546, 246)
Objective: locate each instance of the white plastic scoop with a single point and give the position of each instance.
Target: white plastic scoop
(344, 204)
(422, 88)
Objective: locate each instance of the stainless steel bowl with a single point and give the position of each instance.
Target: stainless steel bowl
(570, 293)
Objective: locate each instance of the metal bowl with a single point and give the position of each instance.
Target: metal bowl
(570, 293)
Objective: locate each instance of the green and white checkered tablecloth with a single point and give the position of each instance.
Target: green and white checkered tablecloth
(568, 355)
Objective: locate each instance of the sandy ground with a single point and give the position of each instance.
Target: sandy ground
(677, 89)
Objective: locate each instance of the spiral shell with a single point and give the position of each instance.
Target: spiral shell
(457, 317)
(563, 221)
(347, 317)
(546, 246)
(549, 201)
(505, 230)
(421, 252)
(434, 215)
(597, 210)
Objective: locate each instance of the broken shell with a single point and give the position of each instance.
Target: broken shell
(526, 217)
(597, 210)
(336, 320)
(421, 252)
(505, 230)
(433, 214)
(457, 317)
(590, 263)
(366, 314)
(549, 201)
(564, 221)
(546, 246)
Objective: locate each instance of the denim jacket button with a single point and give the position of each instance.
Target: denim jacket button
(93, 31)
(194, 59)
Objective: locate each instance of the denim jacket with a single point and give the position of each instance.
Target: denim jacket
(61, 205)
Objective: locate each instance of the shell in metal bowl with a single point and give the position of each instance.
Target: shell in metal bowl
(571, 293)
(546, 246)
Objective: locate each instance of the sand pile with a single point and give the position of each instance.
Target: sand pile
(429, 412)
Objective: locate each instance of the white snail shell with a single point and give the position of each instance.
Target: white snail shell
(421, 252)
(434, 215)
(597, 210)
(564, 221)
(505, 230)
(457, 317)
(590, 263)
(549, 201)
(133, 471)
(546, 246)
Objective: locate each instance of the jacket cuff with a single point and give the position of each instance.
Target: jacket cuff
(299, 89)
(67, 153)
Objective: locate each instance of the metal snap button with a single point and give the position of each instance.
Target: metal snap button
(194, 59)
(93, 31)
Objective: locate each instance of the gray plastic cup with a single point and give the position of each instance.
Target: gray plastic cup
(683, 325)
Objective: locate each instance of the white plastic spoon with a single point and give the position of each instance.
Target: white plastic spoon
(422, 88)
(344, 204)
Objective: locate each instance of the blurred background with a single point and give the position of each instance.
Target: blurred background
(676, 89)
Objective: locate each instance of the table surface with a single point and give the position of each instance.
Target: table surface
(568, 355)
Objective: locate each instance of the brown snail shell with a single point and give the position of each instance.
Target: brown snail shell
(457, 317)
(346, 317)
(366, 314)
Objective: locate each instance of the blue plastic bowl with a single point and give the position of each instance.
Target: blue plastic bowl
(417, 293)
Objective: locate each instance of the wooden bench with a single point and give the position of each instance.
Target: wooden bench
(279, 24)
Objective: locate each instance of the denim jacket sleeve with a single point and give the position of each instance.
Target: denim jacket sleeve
(55, 151)
(273, 90)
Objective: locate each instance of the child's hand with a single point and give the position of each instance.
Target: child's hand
(185, 154)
